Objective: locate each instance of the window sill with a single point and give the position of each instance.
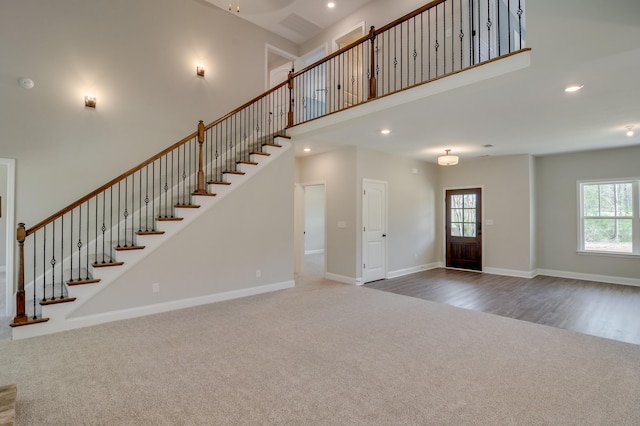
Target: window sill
(609, 253)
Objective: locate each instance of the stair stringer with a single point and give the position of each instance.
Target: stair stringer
(66, 316)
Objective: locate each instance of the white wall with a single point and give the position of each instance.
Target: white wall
(314, 218)
(412, 240)
(557, 199)
(139, 58)
(250, 229)
(506, 199)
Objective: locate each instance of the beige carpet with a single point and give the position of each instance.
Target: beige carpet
(323, 354)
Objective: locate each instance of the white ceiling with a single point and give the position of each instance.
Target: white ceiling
(592, 43)
(295, 20)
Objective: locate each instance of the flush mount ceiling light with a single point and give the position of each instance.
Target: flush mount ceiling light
(385, 131)
(307, 150)
(447, 159)
(331, 5)
(573, 88)
(629, 130)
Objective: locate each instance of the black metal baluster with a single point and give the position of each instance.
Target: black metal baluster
(509, 25)
(95, 243)
(62, 286)
(71, 249)
(111, 223)
(88, 240)
(489, 25)
(462, 39)
(104, 227)
(118, 218)
(171, 201)
(429, 41)
(153, 195)
(53, 260)
(520, 12)
(166, 187)
(79, 243)
(35, 274)
(140, 201)
(437, 44)
(498, 35)
(453, 64)
(44, 264)
(444, 37)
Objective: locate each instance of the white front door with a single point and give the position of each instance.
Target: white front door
(374, 230)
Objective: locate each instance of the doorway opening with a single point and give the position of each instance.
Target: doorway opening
(314, 229)
(278, 63)
(7, 228)
(463, 228)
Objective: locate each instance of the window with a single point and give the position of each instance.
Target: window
(609, 217)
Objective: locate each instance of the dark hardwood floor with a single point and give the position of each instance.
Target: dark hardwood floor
(598, 309)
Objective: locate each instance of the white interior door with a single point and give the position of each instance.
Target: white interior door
(374, 230)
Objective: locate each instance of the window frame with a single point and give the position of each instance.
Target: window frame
(635, 216)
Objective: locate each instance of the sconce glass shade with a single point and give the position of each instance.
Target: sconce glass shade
(90, 101)
(447, 160)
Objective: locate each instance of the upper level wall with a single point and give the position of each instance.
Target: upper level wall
(139, 58)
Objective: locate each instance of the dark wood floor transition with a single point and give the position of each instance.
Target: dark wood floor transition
(598, 309)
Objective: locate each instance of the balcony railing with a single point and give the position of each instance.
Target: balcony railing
(436, 40)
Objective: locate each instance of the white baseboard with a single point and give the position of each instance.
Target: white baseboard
(510, 272)
(343, 279)
(413, 270)
(590, 277)
(79, 322)
(319, 251)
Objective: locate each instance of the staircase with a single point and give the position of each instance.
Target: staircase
(54, 311)
(66, 259)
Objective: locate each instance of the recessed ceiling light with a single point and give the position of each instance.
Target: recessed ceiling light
(307, 150)
(331, 5)
(573, 88)
(385, 131)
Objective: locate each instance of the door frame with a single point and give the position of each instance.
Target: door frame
(299, 225)
(444, 223)
(386, 227)
(275, 50)
(11, 226)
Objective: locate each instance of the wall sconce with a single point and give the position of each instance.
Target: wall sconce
(200, 70)
(90, 100)
(629, 130)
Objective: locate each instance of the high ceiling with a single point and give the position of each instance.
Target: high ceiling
(590, 43)
(295, 20)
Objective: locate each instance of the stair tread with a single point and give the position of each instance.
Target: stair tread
(58, 300)
(218, 182)
(169, 219)
(275, 145)
(266, 154)
(85, 281)
(251, 163)
(106, 264)
(126, 248)
(233, 172)
(204, 194)
(149, 232)
(28, 322)
(187, 206)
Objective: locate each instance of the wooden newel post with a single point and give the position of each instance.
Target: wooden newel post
(372, 69)
(290, 114)
(21, 311)
(200, 189)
